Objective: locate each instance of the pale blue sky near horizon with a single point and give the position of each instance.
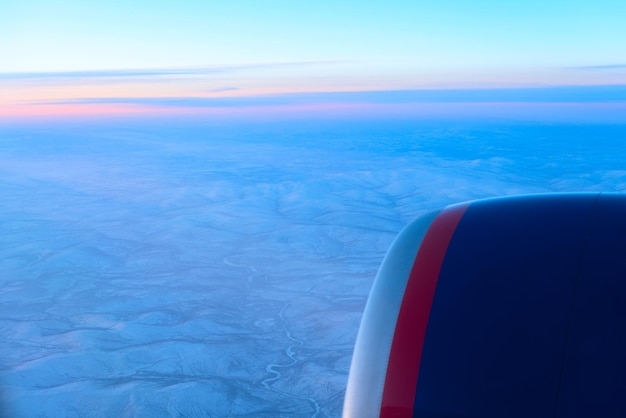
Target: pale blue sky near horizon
(109, 53)
(443, 35)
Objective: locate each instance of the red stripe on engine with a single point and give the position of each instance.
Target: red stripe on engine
(408, 339)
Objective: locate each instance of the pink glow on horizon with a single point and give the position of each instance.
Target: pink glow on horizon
(70, 111)
(73, 110)
(565, 112)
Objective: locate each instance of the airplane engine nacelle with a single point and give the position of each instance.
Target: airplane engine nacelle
(506, 307)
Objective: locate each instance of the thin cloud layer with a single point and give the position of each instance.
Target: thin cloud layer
(64, 75)
(599, 67)
(573, 94)
(95, 75)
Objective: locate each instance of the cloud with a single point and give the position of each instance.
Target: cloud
(95, 75)
(568, 94)
(599, 67)
(190, 102)
(61, 75)
(221, 89)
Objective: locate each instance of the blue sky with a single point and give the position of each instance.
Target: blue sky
(440, 35)
(203, 48)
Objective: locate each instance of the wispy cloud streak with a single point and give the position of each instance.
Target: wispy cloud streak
(598, 67)
(108, 74)
(574, 94)
(155, 72)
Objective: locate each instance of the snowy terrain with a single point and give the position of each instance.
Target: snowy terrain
(205, 269)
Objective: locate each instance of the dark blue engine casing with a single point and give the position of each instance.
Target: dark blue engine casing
(506, 307)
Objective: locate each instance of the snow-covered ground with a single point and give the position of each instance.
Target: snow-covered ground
(220, 269)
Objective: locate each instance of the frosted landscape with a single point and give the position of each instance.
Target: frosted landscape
(193, 268)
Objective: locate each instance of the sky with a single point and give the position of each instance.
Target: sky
(59, 51)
